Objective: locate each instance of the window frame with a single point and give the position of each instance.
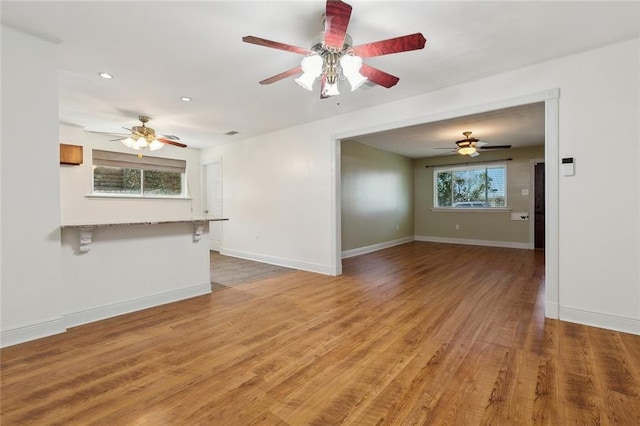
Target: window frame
(475, 166)
(119, 160)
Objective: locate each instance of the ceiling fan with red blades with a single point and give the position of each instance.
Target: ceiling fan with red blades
(143, 137)
(332, 57)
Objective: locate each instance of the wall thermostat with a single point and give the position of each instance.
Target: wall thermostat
(567, 166)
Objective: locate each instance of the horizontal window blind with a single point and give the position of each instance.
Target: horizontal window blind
(132, 161)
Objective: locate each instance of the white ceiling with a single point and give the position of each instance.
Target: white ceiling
(519, 127)
(160, 51)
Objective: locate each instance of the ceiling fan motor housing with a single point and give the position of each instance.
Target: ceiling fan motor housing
(330, 56)
(467, 141)
(143, 131)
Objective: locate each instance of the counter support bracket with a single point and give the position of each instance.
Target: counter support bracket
(86, 236)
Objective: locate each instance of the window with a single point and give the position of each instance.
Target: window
(474, 187)
(116, 173)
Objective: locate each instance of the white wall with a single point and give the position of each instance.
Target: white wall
(76, 184)
(128, 267)
(47, 284)
(277, 195)
(281, 186)
(30, 188)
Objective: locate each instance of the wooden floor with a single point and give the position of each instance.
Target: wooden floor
(227, 271)
(406, 336)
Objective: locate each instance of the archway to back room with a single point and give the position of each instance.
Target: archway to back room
(372, 184)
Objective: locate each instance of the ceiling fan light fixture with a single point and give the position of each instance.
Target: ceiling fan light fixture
(143, 137)
(331, 89)
(340, 59)
(312, 68)
(467, 150)
(351, 65)
(306, 81)
(141, 142)
(128, 142)
(155, 145)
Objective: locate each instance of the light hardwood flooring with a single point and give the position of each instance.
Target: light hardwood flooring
(421, 333)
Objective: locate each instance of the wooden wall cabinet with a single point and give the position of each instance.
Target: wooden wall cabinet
(70, 154)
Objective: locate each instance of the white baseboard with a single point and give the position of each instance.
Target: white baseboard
(60, 325)
(375, 247)
(596, 319)
(551, 310)
(471, 242)
(32, 332)
(280, 261)
(115, 309)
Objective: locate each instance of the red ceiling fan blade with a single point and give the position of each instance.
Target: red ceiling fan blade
(379, 77)
(282, 75)
(170, 142)
(393, 45)
(276, 45)
(336, 22)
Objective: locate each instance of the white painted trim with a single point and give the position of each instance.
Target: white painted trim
(336, 205)
(59, 325)
(375, 247)
(280, 261)
(552, 201)
(471, 242)
(32, 331)
(108, 311)
(596, 319)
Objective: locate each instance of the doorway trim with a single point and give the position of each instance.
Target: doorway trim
(551, 159)
(206, 195)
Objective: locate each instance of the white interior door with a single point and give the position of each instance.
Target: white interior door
(213, 183)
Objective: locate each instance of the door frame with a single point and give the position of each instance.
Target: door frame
(205, 197)
(551, 159)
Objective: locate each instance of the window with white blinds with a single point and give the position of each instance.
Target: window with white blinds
(477, 186)
(116, 173)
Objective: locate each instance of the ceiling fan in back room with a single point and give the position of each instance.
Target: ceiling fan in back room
(143, 137)
(470, 146)
(332, 57)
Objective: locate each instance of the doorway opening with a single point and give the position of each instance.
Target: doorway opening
(538, 206)
(551, 167)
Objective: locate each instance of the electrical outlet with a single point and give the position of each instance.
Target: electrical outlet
(397, 227)
(457, 227)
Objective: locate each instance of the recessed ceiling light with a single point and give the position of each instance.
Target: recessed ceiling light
(105, 75)
(185, 99)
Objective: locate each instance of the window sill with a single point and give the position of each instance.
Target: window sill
(471, 210)
(137, 197)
